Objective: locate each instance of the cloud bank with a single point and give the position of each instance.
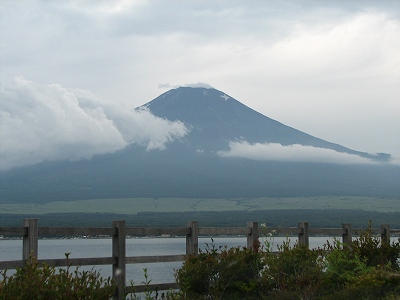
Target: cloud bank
(49, 122)
(291, 153)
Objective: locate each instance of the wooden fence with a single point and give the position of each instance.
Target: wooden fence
(30, 234)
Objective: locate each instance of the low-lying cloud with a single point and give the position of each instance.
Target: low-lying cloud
(192, 85)
(395, 160)
(291, 153)
(50, 122)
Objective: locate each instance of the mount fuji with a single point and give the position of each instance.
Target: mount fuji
(216, 119)
(229, 151)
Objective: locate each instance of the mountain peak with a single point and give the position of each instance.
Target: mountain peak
(216, 119)
(188, 93)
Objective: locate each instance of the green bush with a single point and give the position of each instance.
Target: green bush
(296, 273)
(375, 252)
(33, 282)
(221, 273)
(363, 269)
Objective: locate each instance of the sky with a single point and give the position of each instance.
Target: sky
(71, 72)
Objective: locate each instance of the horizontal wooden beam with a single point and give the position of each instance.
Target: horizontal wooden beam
(13, 231)
(157, 231)
(74, 231)
(89, 261)
(279, 230)
(327, 231)
(224, 231)
(153, 259)
(11, 264)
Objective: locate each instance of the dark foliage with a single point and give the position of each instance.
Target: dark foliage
(363, 269)
(273, 218)
(33, 282)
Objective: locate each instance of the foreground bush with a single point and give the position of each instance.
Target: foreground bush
(296, 273)
(34, 282)
(221, 273)
(364, 269)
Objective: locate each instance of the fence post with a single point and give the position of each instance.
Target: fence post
(192, 238)
(252, 236)
(347, 235)
(30, 239)
(385, 234)
(303, 235)
(119, 253)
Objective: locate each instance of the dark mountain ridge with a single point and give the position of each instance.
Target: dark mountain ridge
(182, 171)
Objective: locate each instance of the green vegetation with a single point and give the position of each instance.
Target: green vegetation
(35, 282)
(138, 205)
(159, 212)
(273, 218)
(364, 269)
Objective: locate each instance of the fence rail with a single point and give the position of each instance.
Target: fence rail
(30, 233)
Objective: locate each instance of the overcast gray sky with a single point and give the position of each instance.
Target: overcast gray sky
(71, 71)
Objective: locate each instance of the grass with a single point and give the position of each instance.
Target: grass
(136, 205)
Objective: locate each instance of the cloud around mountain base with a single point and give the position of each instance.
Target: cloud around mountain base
(291, 153)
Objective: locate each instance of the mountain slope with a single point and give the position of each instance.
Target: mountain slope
(216, 118)
(191, 167)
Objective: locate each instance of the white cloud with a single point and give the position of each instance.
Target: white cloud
(291, 153)
(164, 86)
(395, 160)
(154, 131)
(198, 85)
(193, 85)
(39, 122)
(330, 69)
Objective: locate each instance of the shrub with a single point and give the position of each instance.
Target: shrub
(221, 273)
(376, 283)
(35, 282)
(295, 273)
(363, 269)
(374, 252)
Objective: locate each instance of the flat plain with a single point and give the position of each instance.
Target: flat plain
(137, 205)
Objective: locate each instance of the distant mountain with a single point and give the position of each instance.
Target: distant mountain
(193, 167)
(216, 118)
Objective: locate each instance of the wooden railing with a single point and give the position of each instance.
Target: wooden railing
(30, 234)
